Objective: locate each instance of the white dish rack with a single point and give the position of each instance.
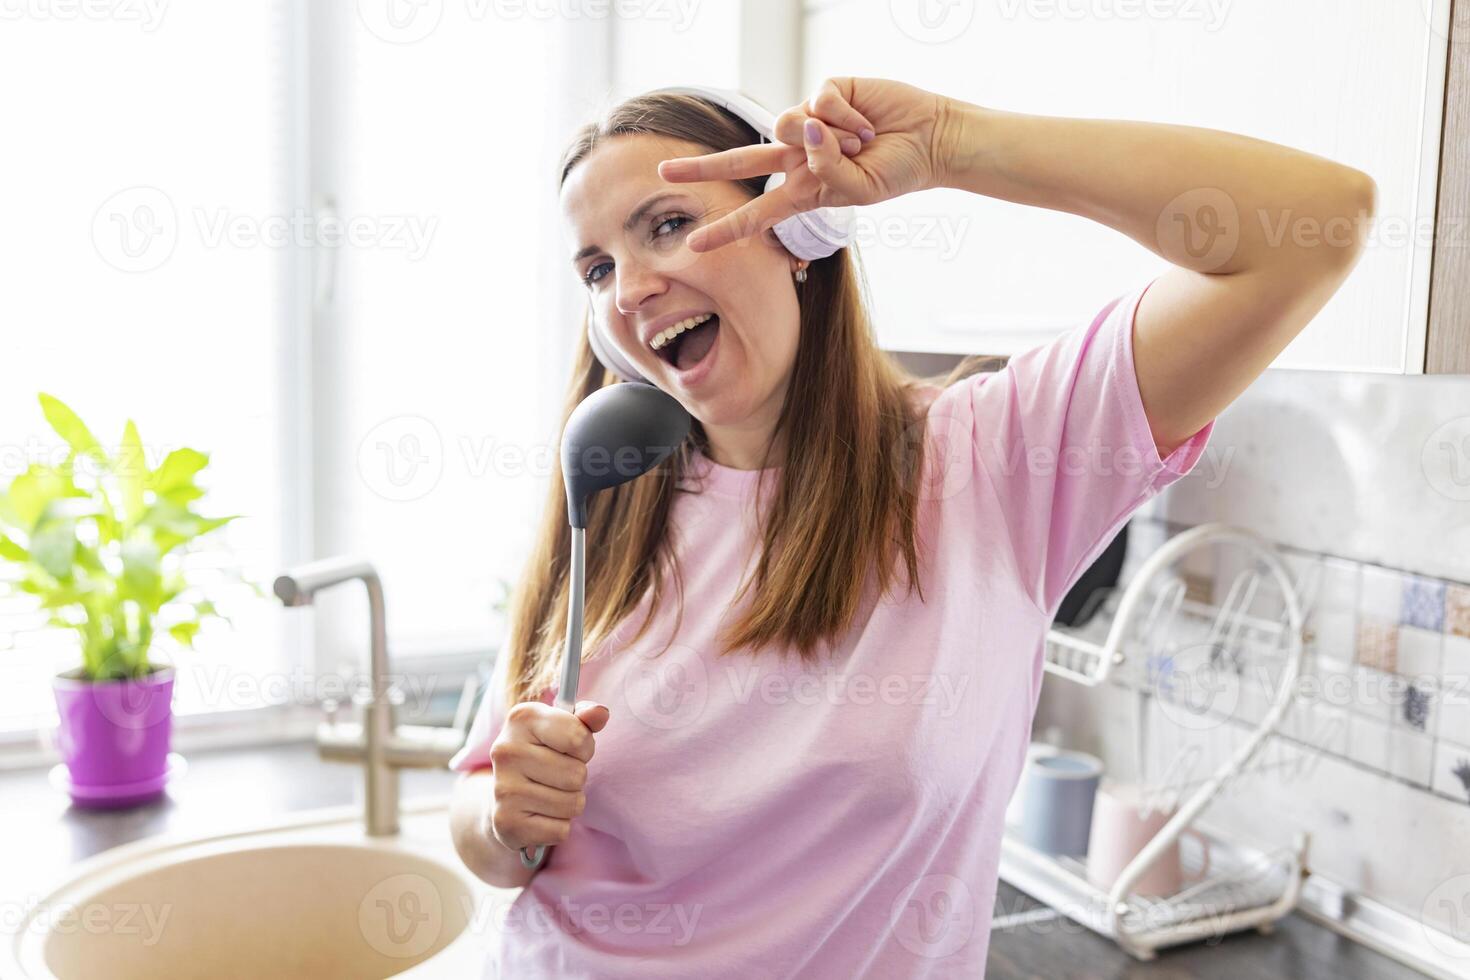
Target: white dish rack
(1246, 887)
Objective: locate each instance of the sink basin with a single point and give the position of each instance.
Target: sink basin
(313, 896)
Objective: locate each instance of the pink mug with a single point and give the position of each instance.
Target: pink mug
(1124, 820)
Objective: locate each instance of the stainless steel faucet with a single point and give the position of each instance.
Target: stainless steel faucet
(377, 741)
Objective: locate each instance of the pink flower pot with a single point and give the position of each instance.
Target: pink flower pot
(114, 736)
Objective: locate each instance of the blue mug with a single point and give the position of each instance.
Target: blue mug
(1056, 806)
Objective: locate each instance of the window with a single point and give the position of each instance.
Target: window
(444, 335)
(145, 146)
(325, 248)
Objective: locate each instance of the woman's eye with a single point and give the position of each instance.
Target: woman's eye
(678, 220)
(589, 278)
(682, 219)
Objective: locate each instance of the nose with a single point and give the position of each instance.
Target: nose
(637, 281)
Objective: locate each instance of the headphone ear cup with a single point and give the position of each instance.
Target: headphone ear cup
(608, 355)
(813, 234)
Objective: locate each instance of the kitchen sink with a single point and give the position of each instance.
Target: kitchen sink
(313, 896)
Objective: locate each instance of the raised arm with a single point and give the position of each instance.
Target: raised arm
(1261, 235)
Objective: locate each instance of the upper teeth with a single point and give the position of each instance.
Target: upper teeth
(660, 339)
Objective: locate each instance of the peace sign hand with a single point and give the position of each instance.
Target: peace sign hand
(908, 126)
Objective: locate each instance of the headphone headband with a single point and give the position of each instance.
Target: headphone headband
(807, 235)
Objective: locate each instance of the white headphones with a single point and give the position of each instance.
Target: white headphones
(807, 235)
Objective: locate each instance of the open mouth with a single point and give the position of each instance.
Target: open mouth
(687, 349)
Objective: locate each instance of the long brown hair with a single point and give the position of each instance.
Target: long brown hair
(846, 504)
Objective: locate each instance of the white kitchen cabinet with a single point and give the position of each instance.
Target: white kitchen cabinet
(1357, 81)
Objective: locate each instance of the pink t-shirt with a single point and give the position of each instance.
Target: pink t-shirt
(757, 818)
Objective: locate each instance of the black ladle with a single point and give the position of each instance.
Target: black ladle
(615, 435)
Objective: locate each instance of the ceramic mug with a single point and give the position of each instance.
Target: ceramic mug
(1123, 822)
(1056, 806)
(1013, 808)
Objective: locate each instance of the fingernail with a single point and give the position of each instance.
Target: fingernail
(866, 135)
(851, 144)
(813, 132)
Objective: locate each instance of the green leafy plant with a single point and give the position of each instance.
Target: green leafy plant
(100, 546)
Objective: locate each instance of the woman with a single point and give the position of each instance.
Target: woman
(814, 637)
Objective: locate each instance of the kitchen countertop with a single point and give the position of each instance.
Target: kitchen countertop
(1059, 949)
(44, 834)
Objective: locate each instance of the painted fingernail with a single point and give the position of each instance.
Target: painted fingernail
(866, 135)
(851, 144)
(813, 132)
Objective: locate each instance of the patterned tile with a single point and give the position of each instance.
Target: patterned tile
(1457, 610)
(1452, 772)
(1377, 694)
(1453, 707)
(1378, 644)
(1411, 756)
(1327, 680)
(1332, 621)
(1422, 603)
(1417, 709)
(1333, 634)
(1368, 743)
(1456, 654)
(1320, 726)
(1418, 652)
(1381, 593)
(1456, 658)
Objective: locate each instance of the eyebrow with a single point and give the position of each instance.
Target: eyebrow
(638, 214)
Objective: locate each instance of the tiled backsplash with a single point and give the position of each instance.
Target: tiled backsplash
(1386, 672)
(1362, 482)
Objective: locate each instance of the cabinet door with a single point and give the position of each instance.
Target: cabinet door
(1357, 81)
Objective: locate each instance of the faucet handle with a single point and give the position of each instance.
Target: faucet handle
(330, 706)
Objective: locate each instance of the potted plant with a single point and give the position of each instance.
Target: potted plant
(100, 546)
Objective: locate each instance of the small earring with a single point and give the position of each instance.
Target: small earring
(801, 274)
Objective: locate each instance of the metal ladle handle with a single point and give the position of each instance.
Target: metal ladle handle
(571, 665)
